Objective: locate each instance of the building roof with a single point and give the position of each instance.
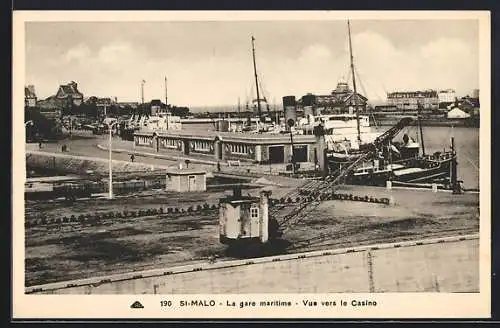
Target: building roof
(335, 98)
(474, 102)
(70, 89)
(185, 171)
(156, 102)
(419, 93)
(235, 200)
(249, 138)
(457, 113)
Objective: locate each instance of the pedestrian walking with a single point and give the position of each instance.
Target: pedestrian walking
(132, 157)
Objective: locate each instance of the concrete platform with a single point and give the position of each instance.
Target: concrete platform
(433, 265)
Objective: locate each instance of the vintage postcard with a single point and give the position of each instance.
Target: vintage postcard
(251, 164)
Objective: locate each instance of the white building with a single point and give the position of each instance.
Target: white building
(457, 113)
(186, 180)
(447, 96)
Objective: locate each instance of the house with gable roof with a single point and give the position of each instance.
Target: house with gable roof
(70, 93)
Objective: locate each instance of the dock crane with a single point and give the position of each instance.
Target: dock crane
(248, 225)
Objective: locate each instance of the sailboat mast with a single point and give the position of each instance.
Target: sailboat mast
(420, 127)
(256, 80)
(166, 93)
(355, 95)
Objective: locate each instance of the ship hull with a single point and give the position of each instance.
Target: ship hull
(408, 172)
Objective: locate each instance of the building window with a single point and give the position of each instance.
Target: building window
(254, 213)
(201, 145)
(239, 149)
(170, 143)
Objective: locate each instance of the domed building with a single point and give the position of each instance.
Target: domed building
(340, 100)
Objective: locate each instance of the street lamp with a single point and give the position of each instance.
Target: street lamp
(110, 189)
(26, 125)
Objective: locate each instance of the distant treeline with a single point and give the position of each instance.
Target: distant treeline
(41, 126)
(93, 110)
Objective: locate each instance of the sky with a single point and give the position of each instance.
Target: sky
(209, 63)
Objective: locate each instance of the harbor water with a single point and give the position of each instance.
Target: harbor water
(436, 138)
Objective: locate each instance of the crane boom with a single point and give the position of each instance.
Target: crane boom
(306, 205)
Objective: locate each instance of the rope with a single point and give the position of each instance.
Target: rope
(467, 156)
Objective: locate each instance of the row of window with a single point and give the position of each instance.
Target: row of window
(411, 96)
(239, 149)
(201, 145)
(140, 140)
(169, 143)
(414, 100)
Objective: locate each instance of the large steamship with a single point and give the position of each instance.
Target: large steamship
(373, 158)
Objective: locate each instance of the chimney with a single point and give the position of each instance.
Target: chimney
(264, 216)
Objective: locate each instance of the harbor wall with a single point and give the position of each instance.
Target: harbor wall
(403, 267)
(78, 164)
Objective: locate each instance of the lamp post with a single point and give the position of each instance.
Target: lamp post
(26, 124)
(110, 189)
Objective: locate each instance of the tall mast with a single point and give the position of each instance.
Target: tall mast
(142, 91)
(166, 93)
(256, 80)
(239, 114)
(419, 109)
(355, 94)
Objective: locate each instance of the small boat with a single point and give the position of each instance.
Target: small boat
(404, 163)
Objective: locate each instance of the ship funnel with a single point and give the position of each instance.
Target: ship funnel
(290, 109)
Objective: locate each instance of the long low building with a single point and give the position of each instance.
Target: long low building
(223, 146)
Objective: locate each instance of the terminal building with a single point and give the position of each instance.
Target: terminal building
(222, 146)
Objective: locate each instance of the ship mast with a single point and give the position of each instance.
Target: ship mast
(166, 93)
(239, 114)
(355, 94)
(419, 111)
(256, 80)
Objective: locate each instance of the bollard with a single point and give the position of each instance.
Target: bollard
(434, 187)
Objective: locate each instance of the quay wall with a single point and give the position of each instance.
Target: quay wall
(78, 164)
(441, 265)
